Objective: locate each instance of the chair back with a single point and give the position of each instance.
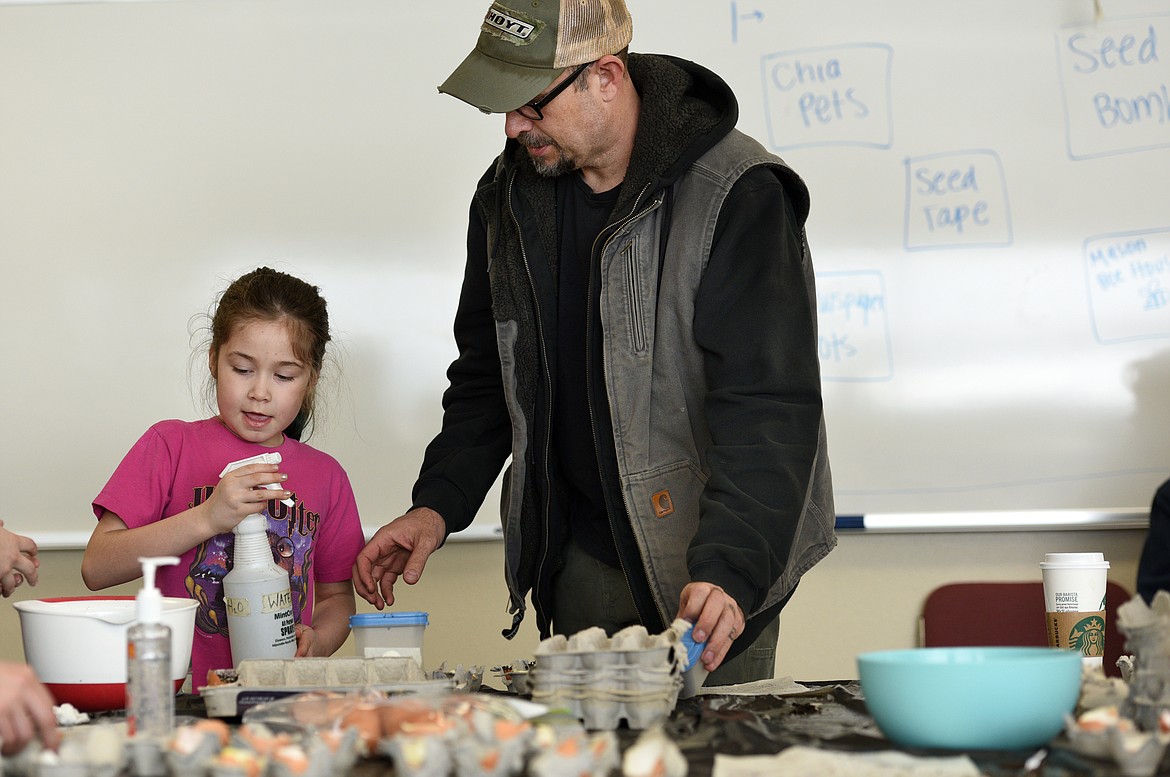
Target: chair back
(1006, 613)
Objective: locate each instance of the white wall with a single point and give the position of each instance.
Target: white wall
(866, 595)
(869, 592)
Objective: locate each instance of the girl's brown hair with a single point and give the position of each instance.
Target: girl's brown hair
(269, 295)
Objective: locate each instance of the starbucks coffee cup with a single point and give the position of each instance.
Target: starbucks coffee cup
(1074, 599)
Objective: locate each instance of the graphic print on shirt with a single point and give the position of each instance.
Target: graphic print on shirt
(290, 535)
(290, 532)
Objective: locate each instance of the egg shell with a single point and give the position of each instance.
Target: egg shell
(236, 761)
(343, 749)
(215, 727)
(509, 729)
(410, 716)
(366, 718)
(320, 709)
(261, 739)
(292, 757)
(1098, 719)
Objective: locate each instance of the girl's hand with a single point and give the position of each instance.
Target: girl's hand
(241, 493)
(333, 605)
(305, 639)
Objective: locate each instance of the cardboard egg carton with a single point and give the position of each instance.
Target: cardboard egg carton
(256, 681)
(633, 677)
(602, 709)
(329, 672)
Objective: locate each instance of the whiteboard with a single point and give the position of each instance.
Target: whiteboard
(991, 243)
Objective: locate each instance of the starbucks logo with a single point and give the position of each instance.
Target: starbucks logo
(1088, 637)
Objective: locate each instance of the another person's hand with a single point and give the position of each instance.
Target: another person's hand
(717, 617)
(18, 561)
(26, 710)
(399, 549)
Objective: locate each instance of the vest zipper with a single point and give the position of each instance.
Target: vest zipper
(613, 231)
(544, 514)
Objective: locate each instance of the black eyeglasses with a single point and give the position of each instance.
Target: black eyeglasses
(532, 111)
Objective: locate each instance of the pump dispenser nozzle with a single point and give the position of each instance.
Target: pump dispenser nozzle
(149, 598)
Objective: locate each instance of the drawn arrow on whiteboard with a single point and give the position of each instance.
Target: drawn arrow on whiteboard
(755, 15)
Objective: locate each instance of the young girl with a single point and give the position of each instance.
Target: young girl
(166, 498)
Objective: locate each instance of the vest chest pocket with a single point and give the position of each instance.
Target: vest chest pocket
(635, 288)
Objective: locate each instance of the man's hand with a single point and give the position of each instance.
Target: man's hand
(717, 617)
(399, 549)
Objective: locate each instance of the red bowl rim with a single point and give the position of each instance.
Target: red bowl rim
(87, 598)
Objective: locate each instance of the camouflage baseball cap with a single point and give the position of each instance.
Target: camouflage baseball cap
(524, 47)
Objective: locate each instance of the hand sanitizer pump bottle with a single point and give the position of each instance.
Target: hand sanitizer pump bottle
(150, 689)
(258, 597)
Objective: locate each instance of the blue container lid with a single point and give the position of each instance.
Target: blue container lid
(694, 649)
(388, 619)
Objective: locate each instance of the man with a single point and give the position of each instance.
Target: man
(1153, 573)
(26, 706)
(636, 329)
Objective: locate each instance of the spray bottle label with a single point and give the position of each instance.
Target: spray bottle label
(281, 600)
(275, 602)
(237, 606)
(260, 623)
(288, 627)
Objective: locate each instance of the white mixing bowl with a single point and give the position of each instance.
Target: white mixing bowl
(77, 645)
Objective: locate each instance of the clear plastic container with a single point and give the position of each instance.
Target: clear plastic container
(379, 634)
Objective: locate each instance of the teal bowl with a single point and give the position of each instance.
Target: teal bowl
(970, 698)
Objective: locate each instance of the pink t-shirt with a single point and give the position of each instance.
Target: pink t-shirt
(175, 466)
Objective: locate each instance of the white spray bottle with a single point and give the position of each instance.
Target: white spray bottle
(150, 689)
(258, 597)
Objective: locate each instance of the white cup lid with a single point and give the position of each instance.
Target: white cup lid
(1063, 560)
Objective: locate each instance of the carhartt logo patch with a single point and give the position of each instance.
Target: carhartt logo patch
(511, 24)
(663, 505)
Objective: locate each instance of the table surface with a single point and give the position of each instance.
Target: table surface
(831, 715)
